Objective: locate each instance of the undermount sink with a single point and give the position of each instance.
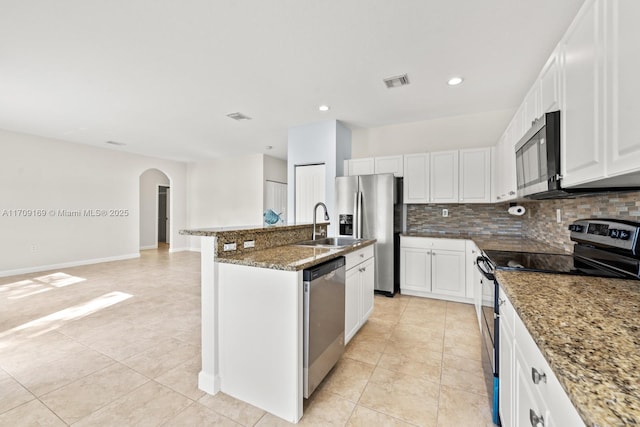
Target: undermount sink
(331, 242)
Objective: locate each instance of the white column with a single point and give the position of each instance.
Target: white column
(209, 377)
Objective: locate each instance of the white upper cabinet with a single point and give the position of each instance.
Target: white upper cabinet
(415, 187)
(581, 115)
(444, 177)
(363, 166)
(622, 68)
(505, 170)
(475, 175)
(531, 108)
(389, 164)
(550, 85)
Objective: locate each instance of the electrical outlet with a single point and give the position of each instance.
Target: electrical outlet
(249, 243)
(445, 212)
(229, 246)
(558, 215)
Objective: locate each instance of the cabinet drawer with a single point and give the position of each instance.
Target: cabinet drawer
(354, 258)
(548, 387)
(432, 243)
(415, 242)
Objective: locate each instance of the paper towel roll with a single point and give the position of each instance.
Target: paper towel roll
(517, 210)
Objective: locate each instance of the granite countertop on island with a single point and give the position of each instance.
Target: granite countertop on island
(587, 329)
(497, 242)
(291, 257)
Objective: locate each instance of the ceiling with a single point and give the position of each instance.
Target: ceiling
(161, 76)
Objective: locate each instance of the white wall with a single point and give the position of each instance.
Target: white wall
(225, 192)
(468, 131)
(275, 169)
(52, 175)
(149, 182)
(326, 142)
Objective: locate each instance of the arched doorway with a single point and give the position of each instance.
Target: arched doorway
(155, 210)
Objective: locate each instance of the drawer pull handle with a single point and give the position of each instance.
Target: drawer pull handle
(536, 421)
(536, 376)
(361, 255)
(501, 302)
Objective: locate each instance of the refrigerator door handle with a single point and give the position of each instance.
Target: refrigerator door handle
(360, 216)
(356, 218)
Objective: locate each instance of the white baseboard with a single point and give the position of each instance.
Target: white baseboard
(194, 249)
(144, 248)
(208, 383)
(171, 250)
(425, 294)
(7, 273)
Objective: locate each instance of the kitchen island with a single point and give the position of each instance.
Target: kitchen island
(252, 312)
(587, 330)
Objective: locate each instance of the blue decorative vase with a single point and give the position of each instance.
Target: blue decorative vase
(270, 217)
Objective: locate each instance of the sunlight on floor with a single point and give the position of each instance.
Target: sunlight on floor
(55, 320)
(25, 288)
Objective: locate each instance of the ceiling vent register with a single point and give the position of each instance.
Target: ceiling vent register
(396, 81)
(238, 116)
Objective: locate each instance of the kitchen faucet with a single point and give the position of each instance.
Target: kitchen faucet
(326, 218)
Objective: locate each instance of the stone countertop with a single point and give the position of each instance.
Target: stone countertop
(499, 242)
(587, 329)
(291, 257)
(214, 231)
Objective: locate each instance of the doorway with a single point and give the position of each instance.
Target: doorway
(163, 215)
(155, 210)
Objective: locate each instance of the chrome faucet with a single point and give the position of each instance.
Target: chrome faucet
(326, 217)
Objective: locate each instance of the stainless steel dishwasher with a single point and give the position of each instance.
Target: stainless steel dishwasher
(323, 320)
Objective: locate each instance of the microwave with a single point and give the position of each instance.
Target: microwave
(538, 159)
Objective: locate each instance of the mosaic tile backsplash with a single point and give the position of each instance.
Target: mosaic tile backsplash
(463, 219)
(539, 222)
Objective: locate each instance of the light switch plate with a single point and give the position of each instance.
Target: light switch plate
(249, 243)
(229, 246)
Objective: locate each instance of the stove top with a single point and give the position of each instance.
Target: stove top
(547, 263)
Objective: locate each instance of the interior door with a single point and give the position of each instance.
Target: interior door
(309, 190)
(162, 213)
(276, 198)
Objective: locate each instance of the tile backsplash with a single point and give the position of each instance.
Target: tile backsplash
(463, 219)
(539, 222)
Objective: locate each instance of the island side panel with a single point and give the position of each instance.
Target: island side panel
(209, 378)
(261, 338)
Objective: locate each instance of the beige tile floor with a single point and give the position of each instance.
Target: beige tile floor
(117, 344)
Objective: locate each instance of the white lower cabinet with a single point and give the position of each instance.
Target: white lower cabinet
(530, 393)
(359, 283)
(433, 267)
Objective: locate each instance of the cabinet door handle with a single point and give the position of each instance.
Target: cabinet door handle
(537, 376)
(500, 302)
(511, 193)
(536, 420)
(361, 255)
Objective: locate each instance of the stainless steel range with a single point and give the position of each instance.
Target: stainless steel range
(603, 247)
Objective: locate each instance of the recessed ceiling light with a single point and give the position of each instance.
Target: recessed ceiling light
(454, 81)
(324, 108)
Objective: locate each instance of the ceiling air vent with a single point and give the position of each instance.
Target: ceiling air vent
(396, 81)
(238, 116)
(116, 143)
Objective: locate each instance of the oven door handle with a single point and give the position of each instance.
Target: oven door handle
(480, 261)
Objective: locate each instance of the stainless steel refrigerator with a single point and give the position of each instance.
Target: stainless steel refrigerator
(369, 207)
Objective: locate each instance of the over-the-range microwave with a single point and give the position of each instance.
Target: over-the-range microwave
(538, 159)
(538, 166)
